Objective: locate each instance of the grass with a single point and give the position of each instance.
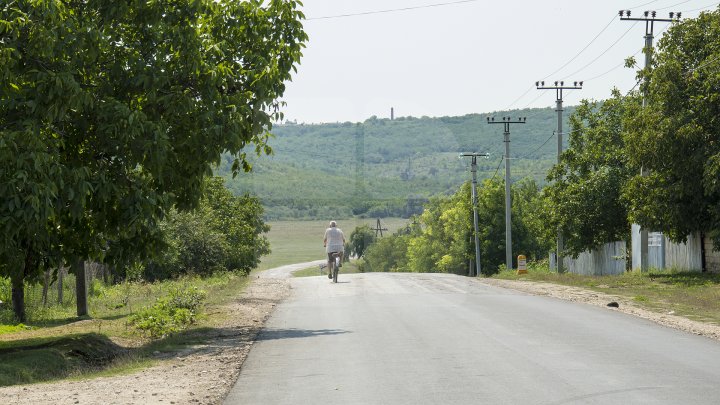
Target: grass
(690, 294)
(57, 345)
(301, 241)
(347, 268)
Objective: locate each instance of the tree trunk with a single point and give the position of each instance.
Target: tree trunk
(18, 298)
(46, 286)
(61, 273)
(106, 274)
(80, 288)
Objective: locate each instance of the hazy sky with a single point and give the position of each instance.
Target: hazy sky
(455, 57)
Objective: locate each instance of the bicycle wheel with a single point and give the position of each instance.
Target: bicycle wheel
(335, 270)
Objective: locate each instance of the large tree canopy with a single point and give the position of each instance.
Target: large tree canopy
(676, 137)
(584, 199)
(112, 112)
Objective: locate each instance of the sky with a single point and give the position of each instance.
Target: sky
(454, 57)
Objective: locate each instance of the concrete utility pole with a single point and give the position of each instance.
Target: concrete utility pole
(559, 87)
(649, 17)
(473, 169)
(506, 121)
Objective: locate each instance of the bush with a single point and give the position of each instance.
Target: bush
(171, 313)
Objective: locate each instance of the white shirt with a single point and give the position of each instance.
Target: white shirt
(335, 240)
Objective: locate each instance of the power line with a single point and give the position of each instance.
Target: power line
(674, 5)
(502, 158)
(702, 8)
(604, 52)
(616, 67)
(393, 10)
(518, 99)
(707, 62)
(582, 50)
(575, 57)
(538, 148)
(535, 99)
(645, 4)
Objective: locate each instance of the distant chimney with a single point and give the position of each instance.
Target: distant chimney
(392, 113)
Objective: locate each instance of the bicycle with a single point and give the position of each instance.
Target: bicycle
(335, 266)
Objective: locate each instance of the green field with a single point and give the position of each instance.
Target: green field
(301, 241)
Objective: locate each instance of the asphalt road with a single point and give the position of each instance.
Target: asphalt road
(445, 339)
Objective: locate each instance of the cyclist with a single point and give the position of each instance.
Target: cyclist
(334, 242)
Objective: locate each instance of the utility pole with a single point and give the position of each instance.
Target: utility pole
(506, 121)
(378, 228)
(649, 17)
(559, 87)
(473, 169)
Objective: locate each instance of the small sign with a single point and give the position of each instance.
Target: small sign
(522, 265)
(655, 238)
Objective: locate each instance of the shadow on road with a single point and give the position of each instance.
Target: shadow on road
(273, 334)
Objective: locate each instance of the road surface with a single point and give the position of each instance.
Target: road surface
(384, 338)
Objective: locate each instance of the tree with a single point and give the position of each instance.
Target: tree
(584, 200)
(111, 113)
(675, 138)
(444, 243)
(360, 238)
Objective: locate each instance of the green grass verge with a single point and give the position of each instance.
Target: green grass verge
(58, 346)
(693, 295)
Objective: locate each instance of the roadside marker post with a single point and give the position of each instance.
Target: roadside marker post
(522, 265)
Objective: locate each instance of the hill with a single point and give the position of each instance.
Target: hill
(383, 167)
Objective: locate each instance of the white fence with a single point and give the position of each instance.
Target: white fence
(662, 254)
(607, 260)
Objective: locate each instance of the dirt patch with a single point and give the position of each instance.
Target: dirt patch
(625, 305)
(202, 374)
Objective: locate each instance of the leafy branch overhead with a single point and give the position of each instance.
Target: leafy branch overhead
(113, 112)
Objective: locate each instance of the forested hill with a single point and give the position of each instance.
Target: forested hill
(384, 167)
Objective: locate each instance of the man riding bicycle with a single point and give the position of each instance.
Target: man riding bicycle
(334, 242)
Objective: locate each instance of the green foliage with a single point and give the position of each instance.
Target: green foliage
(441, 239)
(170, 314)
(224, 233)
(676, 136)
(13, 328)
(113, 112)
(529, 235)
(360, 238)
(387, 254)
(584, 200)
(373, 170)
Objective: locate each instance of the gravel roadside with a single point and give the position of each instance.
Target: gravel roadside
(205, 373)
(625, 305)
(202, 374)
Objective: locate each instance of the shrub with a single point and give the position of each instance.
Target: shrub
(171, 313)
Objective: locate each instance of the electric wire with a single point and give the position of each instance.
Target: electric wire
(394, 10)
(502, 159)
(702, 8)
(578, 54)
(608, 71)
(518, 99)
(644, 4)
(674, 5)
(707, 62)
(535, 99)
(604, 52)
(582, 50)
(539, 147)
